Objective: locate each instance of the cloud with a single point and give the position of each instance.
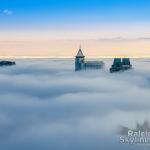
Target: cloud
(7, 12)
(123, 39)
(44, 104)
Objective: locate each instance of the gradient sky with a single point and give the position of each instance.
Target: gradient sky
(74, 19)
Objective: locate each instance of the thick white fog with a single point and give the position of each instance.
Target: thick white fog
(46, 105)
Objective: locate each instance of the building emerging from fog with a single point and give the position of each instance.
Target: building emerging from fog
(120, 65)
(7, 63)
(81, 64)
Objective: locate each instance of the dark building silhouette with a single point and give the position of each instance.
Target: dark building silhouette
(79, 60)
(7, 63)
(120, 65)
(81, 64)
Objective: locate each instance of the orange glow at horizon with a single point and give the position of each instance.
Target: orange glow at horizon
(69, 48)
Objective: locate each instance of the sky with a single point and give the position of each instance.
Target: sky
(48, 107)
(74, 20)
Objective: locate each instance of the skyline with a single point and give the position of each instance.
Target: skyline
(124, 23)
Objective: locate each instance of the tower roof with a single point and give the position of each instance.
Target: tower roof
(80, 53)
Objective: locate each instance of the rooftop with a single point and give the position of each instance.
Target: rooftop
(80, 53)
(94, 62)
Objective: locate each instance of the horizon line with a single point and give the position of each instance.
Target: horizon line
(71, 57)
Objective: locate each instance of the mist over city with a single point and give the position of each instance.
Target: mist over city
(45, 104)
(74, 75)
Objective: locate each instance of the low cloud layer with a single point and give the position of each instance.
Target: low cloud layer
(45, 105)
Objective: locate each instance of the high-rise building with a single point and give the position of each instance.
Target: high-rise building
(81, 64)
(120, 65)
(79, 61)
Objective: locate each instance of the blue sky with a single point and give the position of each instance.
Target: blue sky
(41, 14)
(77, 20)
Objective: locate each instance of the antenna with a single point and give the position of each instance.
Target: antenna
(80, 47)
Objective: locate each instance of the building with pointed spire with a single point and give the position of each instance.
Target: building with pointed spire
(79, 61)
(81, 64)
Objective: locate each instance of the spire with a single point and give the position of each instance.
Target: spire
(80, 47)
(80, 53)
